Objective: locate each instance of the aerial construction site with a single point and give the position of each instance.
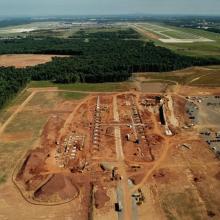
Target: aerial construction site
(119, 155)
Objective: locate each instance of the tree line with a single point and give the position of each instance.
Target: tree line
(94, 58)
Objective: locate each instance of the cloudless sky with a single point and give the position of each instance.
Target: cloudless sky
(107, 7)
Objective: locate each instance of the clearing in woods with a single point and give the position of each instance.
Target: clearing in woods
(24, 60)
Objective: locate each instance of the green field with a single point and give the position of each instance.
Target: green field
(72, 95)
(209, 76)
(5, 112)
(53, 28)
(97, 87)
(200, 49)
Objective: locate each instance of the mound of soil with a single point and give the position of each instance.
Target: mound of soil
(101, 198)
(33, 165)
(136, 179)
(34, 182)
(58, 188)
(217, 176)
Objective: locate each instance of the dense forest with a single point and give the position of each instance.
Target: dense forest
(11, 81)
(214, 30)
(94, 57)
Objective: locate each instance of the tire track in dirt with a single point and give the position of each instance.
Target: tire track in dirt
(71, 117)
(123, 184)
(156, 164)
(19, 109)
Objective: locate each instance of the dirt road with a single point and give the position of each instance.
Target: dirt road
(19, 109)
(157, 163)
(173, 119)
(70, 119)
(123, 183)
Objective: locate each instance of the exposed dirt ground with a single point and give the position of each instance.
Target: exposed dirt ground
(24, 60)
(109, 148)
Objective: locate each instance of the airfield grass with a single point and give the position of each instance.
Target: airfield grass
(180, 34)
(197, 49)
(212, 80)
(89, 87)
(209, 76)
(44, 29)
(163, 77)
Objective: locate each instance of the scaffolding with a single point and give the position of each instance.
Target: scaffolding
(97, 124)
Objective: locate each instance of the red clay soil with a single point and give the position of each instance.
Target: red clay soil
(164, 176)
(101, 198)
(136, 179)
(51, 130)
(30, 173)
(217, 176)
(180, 109)
(154, 139)
(59, 187)
(34, 182)
(33, 165)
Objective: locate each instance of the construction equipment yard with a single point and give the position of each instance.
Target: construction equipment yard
(118, 155)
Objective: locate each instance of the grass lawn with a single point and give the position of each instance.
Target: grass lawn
(92, 87)
(72, 95)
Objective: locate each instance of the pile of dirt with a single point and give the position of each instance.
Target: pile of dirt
(217, 176)
(101, 198)
(58, 188)
(33, 165)
(35, 181)
(136, 179)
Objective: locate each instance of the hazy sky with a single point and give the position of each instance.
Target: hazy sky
(85, 7)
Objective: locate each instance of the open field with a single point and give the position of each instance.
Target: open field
(38, 28)
(185, 41)
(91, 87)
(147, 148)
(24, 60)
(74, 155)
(195, 76)
(56, 29)
(168, 34)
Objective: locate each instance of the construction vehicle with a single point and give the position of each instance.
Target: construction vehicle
(118, 207)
